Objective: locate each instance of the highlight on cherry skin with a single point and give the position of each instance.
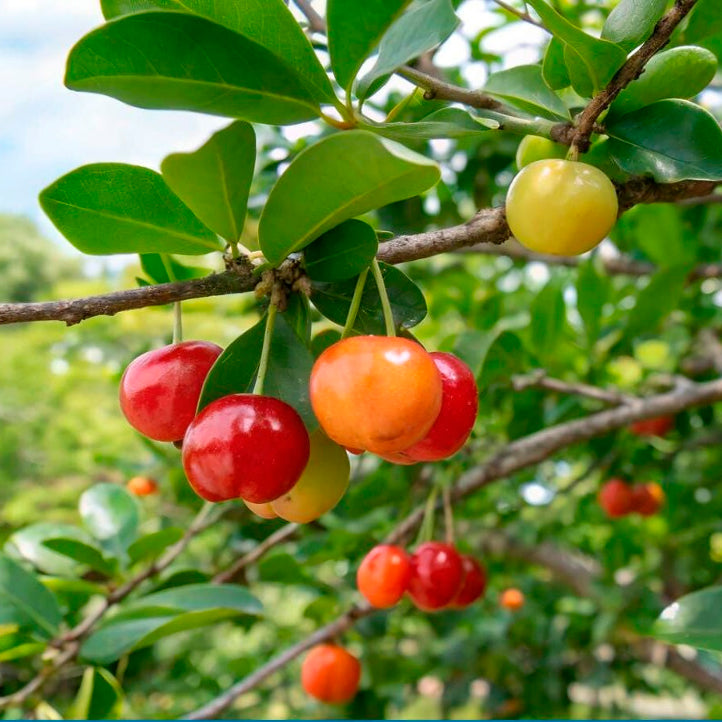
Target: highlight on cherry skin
(160, 389)
(245, 446)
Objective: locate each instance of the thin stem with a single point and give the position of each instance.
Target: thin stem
(519, 13)
(384, 296)
(448, 515)
(266, 350)
(355, 303)
(177, 312)
(426, 530)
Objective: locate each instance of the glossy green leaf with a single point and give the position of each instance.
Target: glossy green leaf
(601, 58)
(705, 20)
(342, 252)
(196, 597)
(579, 75)
(333, 300)
(337, 178)
(177, 61)
(548, 319)
(21, 591)
(355, 28)
(154, 266)
(214, 181)
(592, 293)
(108, 208)
(554, 69)
(671, 140)
(681, 72)
(656, 301)
(153, 545)
(81, 552)
(444, 123)
(98, 697)
(631, 22)
(693, 619)
(28, 543)
(426, 24)
(28, 649)
(267, 22)
(110, 514)
(524, 88)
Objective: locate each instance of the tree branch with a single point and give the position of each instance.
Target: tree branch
(631, 70)
(539, 380)
(439, 90)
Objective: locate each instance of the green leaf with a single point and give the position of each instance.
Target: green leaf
(693, 619)
(21, 591)
(705, 20)
(677, 73)
(28, 649)
(337, 178)
(28, 543)
(426, 24)
(99, 696)
(176, 61)
(554, 69)
(107, 208)
(83, 553)
(592, 293)
(155, 268)
(408, 306)
(214, 181)
(656, 301)
(524, 88)
(671, 140)
(444, 123)
(548, 318)
(579, 74)
(110, 514)
(355, 28)
(153, 545)
(600, 57)
(632, 21)
(164, 613)
(342, 252)
(267, 22)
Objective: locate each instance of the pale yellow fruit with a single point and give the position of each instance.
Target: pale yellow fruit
(263, 510)
(561, 207)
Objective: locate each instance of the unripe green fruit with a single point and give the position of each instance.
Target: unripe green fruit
(534, 147)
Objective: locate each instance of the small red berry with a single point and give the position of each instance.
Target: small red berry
(141, 486)
(384, 575)
(473, 584)
(331, 674)
(512, 599)
(648, 499)
(658, 426)
(436, 575)
(615, 497)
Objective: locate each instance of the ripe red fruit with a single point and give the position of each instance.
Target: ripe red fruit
(459, 405)
(141, 486)
(615, 497)
(330, 674)
(436, 575)
(657, 426)
(512, 599)
(384, 575)
(245, 446)
(648, 499)
(473, 583)
(160, 389)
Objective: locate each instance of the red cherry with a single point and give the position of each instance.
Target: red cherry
(384, 575)
(615, 497)
(473, 585)
(331, 674)
(160, 389)
(459, 406)
(245, 446)
(436, 575)
(648, 499)
(657, 426)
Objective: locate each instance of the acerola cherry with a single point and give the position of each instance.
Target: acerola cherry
(657, 426)
(322, 484)
(376, 393)
(648, 499)
(615, 497)
(330, 674)
(436, 575)
(535, 147)
(561, 207)
(512, 599)
(459, 404)
(245, 446)
(160, 389)
(473, 583)
(265, 511)
(141, 486)
(384, 575)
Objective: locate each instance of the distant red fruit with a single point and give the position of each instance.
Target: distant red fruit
(512, 599)
(648, 499)
(141, 486)
(657, 426)
(615, 497)
(330, 674)
(384, 575)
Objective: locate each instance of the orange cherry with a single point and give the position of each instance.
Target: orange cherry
(330, 674)
(141, 486)
(512, 599)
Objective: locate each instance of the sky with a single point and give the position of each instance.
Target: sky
(47, 130)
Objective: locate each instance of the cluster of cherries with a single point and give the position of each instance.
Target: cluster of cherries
(435, 577)
(618, 498)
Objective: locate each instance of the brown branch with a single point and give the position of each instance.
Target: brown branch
(315, 22)
(539, 380)
(439, 90)
(631, 70)
(514, 457)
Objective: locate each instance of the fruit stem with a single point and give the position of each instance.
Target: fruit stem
(177, 313)
(355, 303)
(426, 532)
(385, 303)
(448, 516)
(266, 350)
